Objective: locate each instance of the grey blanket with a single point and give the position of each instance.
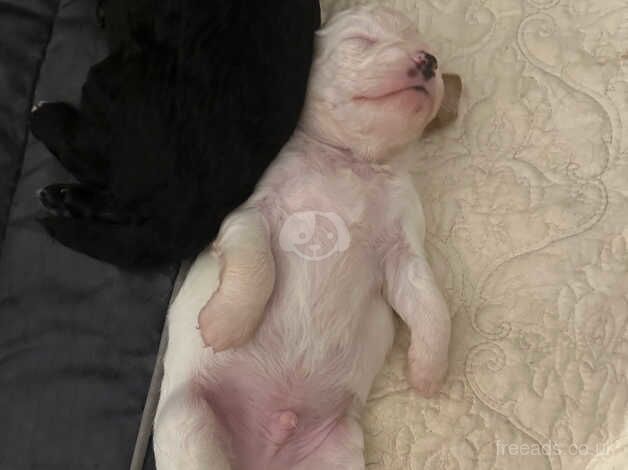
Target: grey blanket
(78, 339)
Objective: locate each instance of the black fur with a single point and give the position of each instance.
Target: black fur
(177, 125)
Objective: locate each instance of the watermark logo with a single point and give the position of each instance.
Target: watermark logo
(314, 235)
(550, 448)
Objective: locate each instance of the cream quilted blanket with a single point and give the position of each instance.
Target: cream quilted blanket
(527, 206)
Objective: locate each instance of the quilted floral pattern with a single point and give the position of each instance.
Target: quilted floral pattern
(527, 205)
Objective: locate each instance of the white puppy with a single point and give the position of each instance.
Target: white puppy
(311, 268)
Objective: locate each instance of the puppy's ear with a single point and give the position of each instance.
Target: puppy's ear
(448, 112)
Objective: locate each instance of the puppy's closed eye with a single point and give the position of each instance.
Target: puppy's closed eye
(363, 40)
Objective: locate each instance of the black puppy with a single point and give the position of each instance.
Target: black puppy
(177, 125)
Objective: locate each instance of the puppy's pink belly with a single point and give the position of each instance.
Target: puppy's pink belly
(272, 425)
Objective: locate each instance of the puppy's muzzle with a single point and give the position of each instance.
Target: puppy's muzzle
(426, 63)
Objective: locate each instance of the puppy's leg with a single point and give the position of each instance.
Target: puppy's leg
(247, 279)
(123, 245)
(412, 291)
(342, 449)
(187, 434)
(83, 202)
(77, 144)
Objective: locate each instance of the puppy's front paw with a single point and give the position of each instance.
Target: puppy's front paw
(426, 374)
(224, 327)
(38, 105)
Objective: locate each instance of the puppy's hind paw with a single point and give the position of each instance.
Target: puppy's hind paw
(426, 387)
(52, 198)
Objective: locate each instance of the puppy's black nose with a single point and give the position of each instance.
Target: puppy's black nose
(426, 63)
(430, 62)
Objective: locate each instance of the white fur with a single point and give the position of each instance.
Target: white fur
(341, 188)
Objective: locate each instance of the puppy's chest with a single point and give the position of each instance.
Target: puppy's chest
(359, 200)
